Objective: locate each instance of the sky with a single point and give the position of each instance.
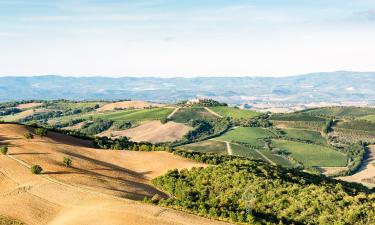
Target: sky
(187, 38)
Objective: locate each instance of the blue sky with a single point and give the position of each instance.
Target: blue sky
(185, 38)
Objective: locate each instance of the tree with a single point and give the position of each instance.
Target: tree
(36, 169)
(4, 150)
(28, 135)
(41, 131)
(67, 162)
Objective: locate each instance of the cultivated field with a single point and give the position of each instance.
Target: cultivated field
(366, 172)
(184, 115)
(93, 191)
(209, 146)
(234, 112)
(249, 135)
(312, 155)
(29, 105)
(127, 105)
(152, 131)
(305, 135)
(136, 115)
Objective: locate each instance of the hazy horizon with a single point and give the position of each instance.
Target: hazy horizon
(187, 76)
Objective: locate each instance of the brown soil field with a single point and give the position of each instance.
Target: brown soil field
(100, 188)
(366, 171)
(328, 171)
(28, 105)
(127, 105)
(75, 126)
(152, 131)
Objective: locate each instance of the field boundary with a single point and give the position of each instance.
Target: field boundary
(213, 113)
(172, 113)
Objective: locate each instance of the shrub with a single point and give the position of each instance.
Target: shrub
(67, 162)
(164, 120)
(4, 150)
(28, 135)
(36, 169)
(41, 131)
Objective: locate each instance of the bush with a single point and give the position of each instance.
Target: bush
(4, 150)
(41, 131)
(67, 162)
(28, 135)
(36, 169)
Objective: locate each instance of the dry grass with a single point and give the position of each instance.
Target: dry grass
(92, 192)
(29, 105)
(366, 171)
(152, 131)
(127, 105)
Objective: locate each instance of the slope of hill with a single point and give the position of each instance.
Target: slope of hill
(97, 186)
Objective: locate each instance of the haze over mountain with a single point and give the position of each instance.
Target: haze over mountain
(332, 87)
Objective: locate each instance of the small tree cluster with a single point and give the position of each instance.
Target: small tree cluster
(67, 162)
(4, 150)
(36, 169)
(41, 131)
(28, 135)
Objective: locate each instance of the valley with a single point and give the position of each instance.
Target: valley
(126, 152)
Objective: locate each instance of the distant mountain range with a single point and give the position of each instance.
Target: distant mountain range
(332, 87)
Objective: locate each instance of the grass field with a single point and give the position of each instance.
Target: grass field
(184, 115)
(305, 135)
(136, 115)
(307, 125)
(312, 155)
(279, 160)
(341, 112)
(370, 118)
(234, 112)
(208, 146)
(249, 135)
(239, 150)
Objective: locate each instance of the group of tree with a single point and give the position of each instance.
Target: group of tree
(255, 192)
(123, 143)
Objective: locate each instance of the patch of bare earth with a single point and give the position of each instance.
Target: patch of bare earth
(127, 105)
(366, 172)
(29, 105)
(152, 131)
(94, 191)
(75, 126)
(329, 171)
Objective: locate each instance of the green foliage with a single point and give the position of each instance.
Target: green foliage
(95, 127)
(208, 146)
(245, 151)
(36, 169)
(258, 121)
(341, 112)
(4, 150)
(125, 144)
(249, 135)
(185, 115)
(67, 162)
(311, 155)
(302, 135)
(234, 113)
(136, 115)
(253, 192)
(41, 131)
(203, 102)
(28, 135)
